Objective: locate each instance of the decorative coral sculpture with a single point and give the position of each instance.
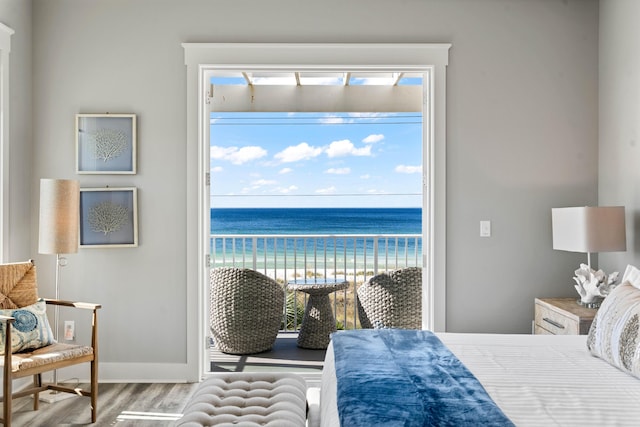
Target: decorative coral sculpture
(593, 285)
(109, 144)
(107, 217)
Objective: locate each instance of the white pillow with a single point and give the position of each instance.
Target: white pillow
(631, 275)
(614, 335)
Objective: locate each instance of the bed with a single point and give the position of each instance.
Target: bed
(535, 380)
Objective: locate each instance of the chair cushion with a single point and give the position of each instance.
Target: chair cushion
(18, 287)
(56, 352)
(30, 330)
(248, 399)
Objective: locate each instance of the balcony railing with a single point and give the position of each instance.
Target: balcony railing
(354, 258)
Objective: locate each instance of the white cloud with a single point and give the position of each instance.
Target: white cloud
(294, 153)
(365, 176)
(344, 147)
(221, 153)
(236, 155)
(262, 182)
(329, 190)
(217, 169)
(285, 171)
(329, 119)
(287, 190)
(369, 115)
(408, 169)
(338, 171)
(373, 138)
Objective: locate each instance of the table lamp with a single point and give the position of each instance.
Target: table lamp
(590, 229)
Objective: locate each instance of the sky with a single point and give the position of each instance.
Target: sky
(316, 160)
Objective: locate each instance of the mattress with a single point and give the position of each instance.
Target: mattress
(537, 380)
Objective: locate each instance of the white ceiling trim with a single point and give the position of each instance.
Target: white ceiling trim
(338, 57)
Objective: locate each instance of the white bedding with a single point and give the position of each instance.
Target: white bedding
(537, 380)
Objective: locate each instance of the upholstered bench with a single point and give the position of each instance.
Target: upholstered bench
(247, 399)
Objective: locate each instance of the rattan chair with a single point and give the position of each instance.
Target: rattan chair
(246, 310)
(392, 300)
(35, 349)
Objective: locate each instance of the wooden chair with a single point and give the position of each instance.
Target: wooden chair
(18, 289)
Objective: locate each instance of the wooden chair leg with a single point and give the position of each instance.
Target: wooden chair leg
(94, 391)
(6, 404)
(37, 381)
(7, 387)
(94, 367)
(6, 407)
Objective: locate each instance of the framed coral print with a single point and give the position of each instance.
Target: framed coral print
(106, 143)
(108, 217)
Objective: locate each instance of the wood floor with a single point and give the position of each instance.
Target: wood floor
(157, 405)
(122, 405)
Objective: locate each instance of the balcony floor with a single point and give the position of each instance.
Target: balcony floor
(285, 356)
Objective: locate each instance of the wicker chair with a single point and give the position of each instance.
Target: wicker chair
(246, 310)
(392, 300)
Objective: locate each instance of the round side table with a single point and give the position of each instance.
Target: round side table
(318, 322)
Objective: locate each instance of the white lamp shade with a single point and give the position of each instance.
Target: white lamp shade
(59, 216)
(589, 229)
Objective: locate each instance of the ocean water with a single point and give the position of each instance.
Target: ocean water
(316, 221)
(340, 244)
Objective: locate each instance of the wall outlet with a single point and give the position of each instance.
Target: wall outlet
(69, 330)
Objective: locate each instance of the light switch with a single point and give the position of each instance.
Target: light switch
(485, 228)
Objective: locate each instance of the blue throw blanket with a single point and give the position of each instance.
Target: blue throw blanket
(392, 377)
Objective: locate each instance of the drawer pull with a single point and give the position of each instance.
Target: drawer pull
(556, 324)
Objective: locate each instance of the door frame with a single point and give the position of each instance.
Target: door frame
(203, 58)
(5, 143)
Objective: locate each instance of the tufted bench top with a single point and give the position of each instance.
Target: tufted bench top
(247, 399)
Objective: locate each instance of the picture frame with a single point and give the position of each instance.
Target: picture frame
(108, 217)
(106, 144)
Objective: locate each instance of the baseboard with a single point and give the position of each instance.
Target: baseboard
(127, 373)
(146, 373)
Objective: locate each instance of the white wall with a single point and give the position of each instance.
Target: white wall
(17, 15)
(619, 153)
(522, 138)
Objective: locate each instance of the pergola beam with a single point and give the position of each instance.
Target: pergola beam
(317, 98)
